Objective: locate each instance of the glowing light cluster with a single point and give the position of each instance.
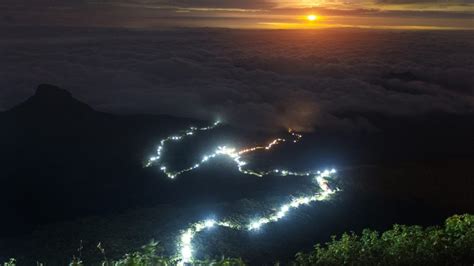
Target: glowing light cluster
(185, 254)
(185, 243)
(295, 135)
(269, 146)
(230, 152)
(163, 142)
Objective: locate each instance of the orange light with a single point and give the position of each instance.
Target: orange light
(312, 17)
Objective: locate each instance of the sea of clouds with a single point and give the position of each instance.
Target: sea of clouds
(254, 79)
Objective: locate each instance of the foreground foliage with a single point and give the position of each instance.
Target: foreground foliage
(148, 256)
(452, 244)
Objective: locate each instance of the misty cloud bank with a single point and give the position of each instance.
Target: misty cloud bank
(255, 79)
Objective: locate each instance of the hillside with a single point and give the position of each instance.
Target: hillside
(60, 158)
(72, 173)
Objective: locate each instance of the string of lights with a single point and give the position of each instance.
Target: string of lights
(230, 152)
(322, 192)
(185, 247)
(191, 131)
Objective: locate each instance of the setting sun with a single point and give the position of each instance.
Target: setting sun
(312, 17)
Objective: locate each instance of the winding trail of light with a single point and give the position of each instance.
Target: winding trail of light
(230, 152)
(163, 142)
(185, 246)
(269, 146)
(185, 255)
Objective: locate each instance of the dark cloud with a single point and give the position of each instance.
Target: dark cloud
(246, 4)
(258, 79)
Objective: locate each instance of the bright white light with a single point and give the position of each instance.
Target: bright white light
(227, 151)
(185, 241)
(255, 226)
(186, 253)
(187, 237)
(209, 223)
(222, 151)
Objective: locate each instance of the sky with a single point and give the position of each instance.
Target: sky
(260, 14)
(178, 57)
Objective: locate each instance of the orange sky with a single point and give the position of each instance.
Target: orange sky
(274, 14)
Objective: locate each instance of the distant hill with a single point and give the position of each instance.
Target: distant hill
(61, 158)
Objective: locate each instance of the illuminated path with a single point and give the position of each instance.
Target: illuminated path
(322, 192)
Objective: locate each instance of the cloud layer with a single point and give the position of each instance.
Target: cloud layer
(255, 79)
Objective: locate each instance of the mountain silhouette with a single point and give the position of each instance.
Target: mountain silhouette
(52, 100)
(61, 158)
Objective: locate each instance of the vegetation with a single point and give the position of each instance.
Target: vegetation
(452, 244)
(149, 256)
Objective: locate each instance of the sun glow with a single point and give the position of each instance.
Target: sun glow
(312, 17)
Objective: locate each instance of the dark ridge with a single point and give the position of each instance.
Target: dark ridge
(62, 159)
(48, 91)
(49, 99)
